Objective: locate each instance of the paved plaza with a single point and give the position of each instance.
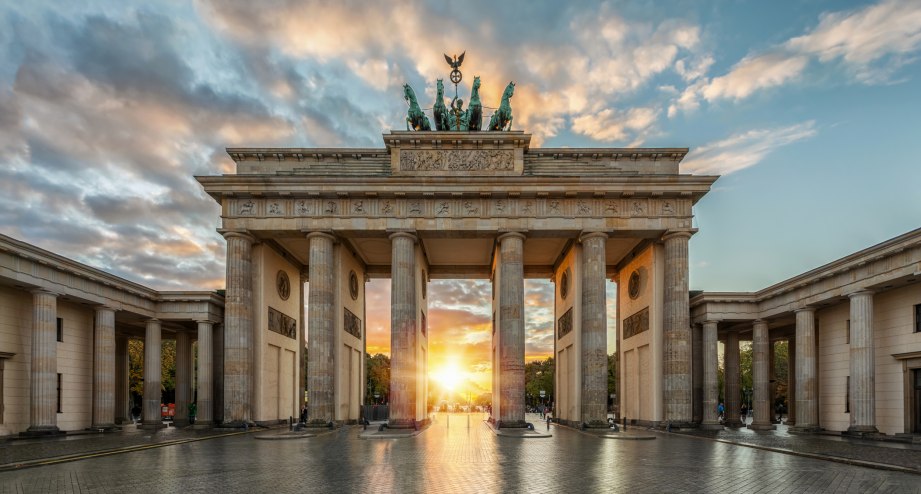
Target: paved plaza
(450, 457)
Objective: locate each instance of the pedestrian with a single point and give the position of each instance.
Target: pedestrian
(720, 409)
(548, 421)
(744, 412)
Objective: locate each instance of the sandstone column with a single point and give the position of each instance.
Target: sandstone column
(44, 384)
(511, 330)
(104, 369)
(122, 408)
(710, 379)
(791, 381)
(807, 386)
(732, 374)
(321, 360)
(677, 361)
(183, 378)
(697, 365)
(594, 329)
(863, 370)
(152, 375)
(205, 405)
(238, 330)
(761, 377)
(217, 378)
(402, 330)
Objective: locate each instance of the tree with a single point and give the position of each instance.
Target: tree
(378, 368)
(538, 375)
(136, 370)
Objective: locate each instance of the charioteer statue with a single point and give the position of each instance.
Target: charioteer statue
(455, 117)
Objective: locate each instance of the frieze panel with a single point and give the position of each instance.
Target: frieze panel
(282, 324)
(457, 159)
(351, 324)
(564, 325)
(473, 207)
(636, 324)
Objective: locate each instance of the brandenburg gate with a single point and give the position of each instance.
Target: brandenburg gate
(455, 204)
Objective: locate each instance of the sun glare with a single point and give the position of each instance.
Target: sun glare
(449, 377)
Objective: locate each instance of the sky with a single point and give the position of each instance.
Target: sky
(807, 109)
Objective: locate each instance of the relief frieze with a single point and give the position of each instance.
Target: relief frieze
(282, 324)
(457, 159)
(636, 324)
(461, 208)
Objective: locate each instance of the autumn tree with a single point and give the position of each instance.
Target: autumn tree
(378, 368)
(167, 370)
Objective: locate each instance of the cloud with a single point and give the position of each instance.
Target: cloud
(612, 125)
(743, 150)
(870, 44)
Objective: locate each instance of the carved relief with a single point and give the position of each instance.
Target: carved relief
(637, 208)
(331, 207)
(527, 209)
(457, 159)
(282, 324)
(248, 208)
(584, 208)
(387, 209)
(636, 324)
(283, 285)
(611, 207)
(415, 208)
(351, 323)
(358, 207)
(275, 209)
(443, 208)
(470, 209)
(301, 208)
(500, 207)
(554, 208)
(667, 208)
(564, 325)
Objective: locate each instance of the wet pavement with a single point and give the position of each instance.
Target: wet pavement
(450, 457)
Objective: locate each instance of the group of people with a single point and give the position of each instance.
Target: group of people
(780, 410)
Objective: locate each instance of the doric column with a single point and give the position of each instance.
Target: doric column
(152, 375)
(863, 370)
(791, 381)
(772, 382)
(402, 329)
(183, 378)
(217, 379)
(104, 369)
(511, 330)
(677, 347)
(44, 384)
(711, 382)
(238, 329)
(122, 409)
(205, 405)
(761, 377)
(807, 388)
(732, 374)
(697, 364)
(321, 357)
(594, 328)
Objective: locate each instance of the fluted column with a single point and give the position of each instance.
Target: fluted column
(791, 381)
(677, 345)
(697, 366)
(711, 381)
(732, 374)
(511, 330)
(104, 369)
(594, 330)
(217, 378)
(183, 378)
(44, 383)
(238, 330)
(807, 385)
(863, 361)
(761, 377)
(204, 406)
(152, 375)
(122, 409)
(402, 329)
(321, 359)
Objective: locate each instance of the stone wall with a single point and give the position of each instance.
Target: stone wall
(349, 348)
(567, 335)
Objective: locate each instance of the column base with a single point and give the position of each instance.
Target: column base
(861, 430)
(41, 430)
(203, 424)
(711, 426)
(596, 424)
(511, 424)
(152, 425)
(755, 426)
(806, 429)
(104, 427)
(734, 423)
(402, 424)
(181, 422)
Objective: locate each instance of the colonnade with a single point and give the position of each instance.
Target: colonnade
(803, 379)
(109, 398)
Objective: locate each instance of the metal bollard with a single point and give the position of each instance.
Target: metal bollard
(625, 422)
(468, 420)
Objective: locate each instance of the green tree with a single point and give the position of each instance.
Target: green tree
(378, 368)
(612, 373)
(538, 375)
(136, 370)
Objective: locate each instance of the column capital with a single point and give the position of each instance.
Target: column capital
(804, 309)
(860, 293)
(759, 321)
(711, 321)
(228, 234)
(44, 291)
(505, 235)
(100, 308)
(320, 234)
(670, 234)
(588, 235)
(204, 321)
(410, 234)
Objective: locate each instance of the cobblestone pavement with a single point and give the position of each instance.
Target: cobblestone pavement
(455, 458)
(834, 447)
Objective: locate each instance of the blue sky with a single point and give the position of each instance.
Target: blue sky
(807, 109)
